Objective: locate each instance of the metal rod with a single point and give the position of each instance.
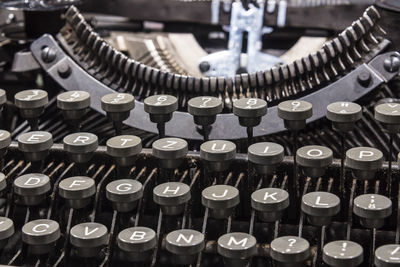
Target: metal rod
(389, 173)
(161, 129)
(249, 136)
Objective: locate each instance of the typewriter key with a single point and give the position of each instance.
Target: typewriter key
(343, 115)
(118, 107)
(389, 115)
(137, 243)
(185, 244)
(5, 141)
(124, 194)
(31, 189)
(218, 154)
(314, 159)
(88, 238)
(220, 199)
(35, 145)
(388, 256)
(364, 161)
(3, 98)
(237, 248)
(295, 113)
(320, 207)
(290, 251)
(204, 110)
(270, 203)
(250, 111)
(73, 104)
(343, 253)
(372, 209)
(160, 109)
(41, 235)
(6, 230)
(170, 152)
(124, 149)
(31, 104)
(77, 191)
(80, 146)
(172, 197)
(265, 156)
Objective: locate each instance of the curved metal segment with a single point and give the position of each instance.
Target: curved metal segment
(227, 125)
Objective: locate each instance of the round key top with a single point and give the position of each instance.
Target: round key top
(250, 111)
(343, 253)
(73, 104)
(88, 238)
(364, 161)
(118, 105)
(170, 151)
(137, 243)
(320, 207)
(124, 194)
(5, 141)
(220, 199)
(343, 115)
(218, 154)
(160, 107)
(237, 248)
(124, 149)
(270, 203)
(35, 145)
(387, 256)
(172, 197)
(204, 109)
(3, 98)
(314, 159)
(31, 102)
(185, 245)
(389, 115)
(77, 191)
(372, 209)
(295, 113)
(31, 189)
(41, 235)
(80, 146)
(290, 250)
(265, 156)
(6, 230)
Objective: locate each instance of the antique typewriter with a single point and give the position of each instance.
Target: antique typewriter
(200, 133)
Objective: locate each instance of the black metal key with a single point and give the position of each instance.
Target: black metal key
(265, 156)
(218, 154)
(372, 209)
(160, 109)
(35, 145)
(205, 110)
(388, 256)
(74, 105)
(77, 191)
(220, 199)
(364, 161)
(320, 207)
(41, 235)
(172, 197)
(88, 238)
(137, 243)
(170, 151)
(80, 146)
(124, 194)
(314, 159)
(31, 104)
(118, 107)
(6, 230)
(31, 189)
(290, 250)
(343, 253)
(185, 245)
(270, 203)
(237, 248)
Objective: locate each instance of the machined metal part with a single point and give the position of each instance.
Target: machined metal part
(226, 127)
(226, 63)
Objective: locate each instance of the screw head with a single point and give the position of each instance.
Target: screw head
(392, 64)
(48, 54)
(64, 70)
(204, 66)
(364, 78)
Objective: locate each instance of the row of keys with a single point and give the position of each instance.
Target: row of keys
(364, 161)
(270, 203)
(137, 243)
(204, 109)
